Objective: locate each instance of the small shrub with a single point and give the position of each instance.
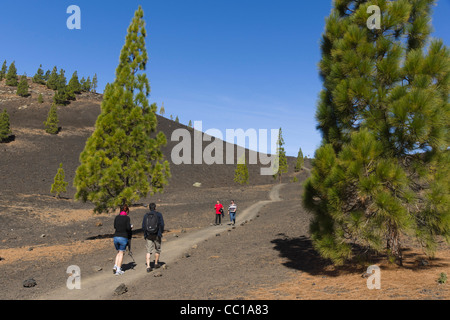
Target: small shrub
(442, 278)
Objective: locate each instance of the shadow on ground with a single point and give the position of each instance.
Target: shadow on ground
(300, 255)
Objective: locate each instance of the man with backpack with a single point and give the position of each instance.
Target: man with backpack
(153, 226)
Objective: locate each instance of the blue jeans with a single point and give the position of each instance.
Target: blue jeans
(120, 243)
(233, 216)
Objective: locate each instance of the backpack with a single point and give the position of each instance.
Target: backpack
(151, 223)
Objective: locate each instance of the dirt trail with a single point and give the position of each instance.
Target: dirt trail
(102, 285)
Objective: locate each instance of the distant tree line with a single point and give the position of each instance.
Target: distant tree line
(64, 92)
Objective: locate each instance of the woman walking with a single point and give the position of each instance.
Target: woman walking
(219, 210)
(123, 226)
(232, 212)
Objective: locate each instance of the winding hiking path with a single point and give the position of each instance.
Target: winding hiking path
(102, 285)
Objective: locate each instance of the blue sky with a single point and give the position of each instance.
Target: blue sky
(249, 64)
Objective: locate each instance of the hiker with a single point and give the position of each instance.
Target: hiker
(219, 210)
(153, 226)
(232, 212)
(123, 226)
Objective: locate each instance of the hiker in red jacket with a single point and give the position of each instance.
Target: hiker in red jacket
(219, 211)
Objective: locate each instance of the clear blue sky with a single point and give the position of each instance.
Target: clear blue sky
(231, 64)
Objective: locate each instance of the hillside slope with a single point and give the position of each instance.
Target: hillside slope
(30, 161)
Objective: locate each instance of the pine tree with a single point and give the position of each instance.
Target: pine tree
(52, 82)
(162, 111)
(22, 88)
(177, 120)
(122, 161)
(382, 171)
(300, 161)
(47, 76)
(5, 129)
(281, 160)
(74, 85)
(3, 71)
(59, 184)
(62, 81)
(11, 76)
(94, 84)
(61, 97)
(87, 85)
(241, 173)
(39, 76)
(190, 123)
(82, 84)
(40, 98)
(52, 123)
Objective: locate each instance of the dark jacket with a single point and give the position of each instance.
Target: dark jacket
(160, 223)
(122, 224)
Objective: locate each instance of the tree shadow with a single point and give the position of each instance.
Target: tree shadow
(302, 256)
(9, 139)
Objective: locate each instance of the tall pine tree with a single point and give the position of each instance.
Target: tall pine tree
(74, 85)
(52, 122)
(22, 88)
(300, 161)
(241, 173)
(94, 83)
(122, 161)
(11, 76)
(39, 76)
(382, 171)
(5, 129)
(3, 71)
(281, 160)
(52, 82)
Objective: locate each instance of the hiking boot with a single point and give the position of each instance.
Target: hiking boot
(149, 269)
(157, 265)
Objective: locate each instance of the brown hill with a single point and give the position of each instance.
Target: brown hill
(30, 161)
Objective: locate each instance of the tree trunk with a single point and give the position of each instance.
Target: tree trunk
(393, 244)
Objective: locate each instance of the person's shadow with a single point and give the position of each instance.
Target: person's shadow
(129, 266)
